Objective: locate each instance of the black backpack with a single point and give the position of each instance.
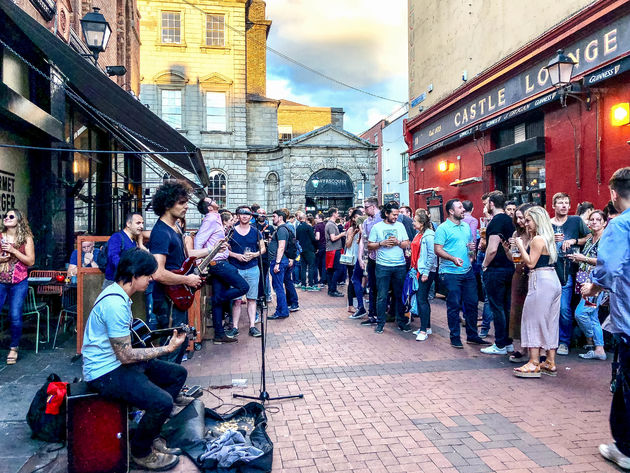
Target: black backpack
(291, 249)
(46, 427)
(103, 254)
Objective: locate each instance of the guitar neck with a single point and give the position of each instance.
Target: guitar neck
(215, 250)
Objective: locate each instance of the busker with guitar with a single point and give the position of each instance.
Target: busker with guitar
(170, 202)
(114, 369)
(227, 283)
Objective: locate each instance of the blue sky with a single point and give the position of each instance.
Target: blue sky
(360, 42)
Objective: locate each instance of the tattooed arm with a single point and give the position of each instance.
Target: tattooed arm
(126, 354)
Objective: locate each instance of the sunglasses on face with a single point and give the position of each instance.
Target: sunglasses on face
(9, 217)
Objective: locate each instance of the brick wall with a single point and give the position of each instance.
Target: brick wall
(256, 48)
(303, 119)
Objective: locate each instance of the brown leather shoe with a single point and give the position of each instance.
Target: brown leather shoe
(159, 445)
(156, 461)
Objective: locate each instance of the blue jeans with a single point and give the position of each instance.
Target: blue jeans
(357, 283)
(486, 313)
(284, 288)
(390, 277)
(151, 386)
(462, 295)
(566, 315)
(588, 320)
(16, 295)
(422, 301)
(498, 283)
(227, 285)
(620, 409)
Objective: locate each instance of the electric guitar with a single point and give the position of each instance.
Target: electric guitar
(142, 336)
(183, 295)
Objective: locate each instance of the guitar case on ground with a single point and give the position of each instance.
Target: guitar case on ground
(195, 426)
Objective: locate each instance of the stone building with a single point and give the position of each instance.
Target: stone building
(204, 72)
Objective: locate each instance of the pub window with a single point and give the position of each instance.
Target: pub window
(217, 190)
(285, 133)
(216, 116)
(523, 180)
(171, 27)
(172, 107)
(215, 30)
(404, 175)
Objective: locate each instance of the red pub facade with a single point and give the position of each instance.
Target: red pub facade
(507, 128)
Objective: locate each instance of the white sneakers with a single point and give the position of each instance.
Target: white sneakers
(612, 453)
(494, 350)
(591, 355)
(422, 337)
(563, 349)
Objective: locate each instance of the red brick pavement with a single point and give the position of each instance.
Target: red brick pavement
(386, 403)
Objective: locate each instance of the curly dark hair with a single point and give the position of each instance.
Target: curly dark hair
(167, 195)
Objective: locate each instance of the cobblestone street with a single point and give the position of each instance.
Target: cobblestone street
(378, 403)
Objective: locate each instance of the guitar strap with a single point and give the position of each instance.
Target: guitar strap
(107, 295)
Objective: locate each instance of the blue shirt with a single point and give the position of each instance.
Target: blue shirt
(74, 257)
(110, 318)
(393, 256)
(613, 271)
(117, 244)
(239, 242)
(454, 239)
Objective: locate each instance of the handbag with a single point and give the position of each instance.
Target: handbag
(349, 258)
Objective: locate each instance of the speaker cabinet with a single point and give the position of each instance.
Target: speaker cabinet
(97, 432)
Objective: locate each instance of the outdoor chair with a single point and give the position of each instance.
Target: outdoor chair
(45, 288)
(68, 307)
(33, 307)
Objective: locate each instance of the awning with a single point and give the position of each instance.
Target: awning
(105, 96)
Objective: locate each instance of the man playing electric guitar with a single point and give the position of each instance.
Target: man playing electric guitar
(114, 369)
(227, 284)
(170, 202)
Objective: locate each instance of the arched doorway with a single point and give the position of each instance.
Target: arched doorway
(329, 188)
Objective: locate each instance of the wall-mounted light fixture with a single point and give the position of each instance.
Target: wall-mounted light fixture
(620, 114)
(446, 166)
(560, 70)
(96, 32)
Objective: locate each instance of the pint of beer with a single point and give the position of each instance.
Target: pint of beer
(516, 255)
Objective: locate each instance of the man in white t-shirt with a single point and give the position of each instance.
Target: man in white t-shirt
(389, 238)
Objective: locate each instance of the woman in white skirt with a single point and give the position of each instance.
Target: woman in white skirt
(541, 310)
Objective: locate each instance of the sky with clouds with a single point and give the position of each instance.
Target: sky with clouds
(359, 42)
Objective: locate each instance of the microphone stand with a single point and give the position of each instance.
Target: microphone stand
(263, 396)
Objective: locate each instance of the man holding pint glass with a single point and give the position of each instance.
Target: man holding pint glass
(569, 231)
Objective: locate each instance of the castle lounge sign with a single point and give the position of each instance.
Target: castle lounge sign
(608, 43)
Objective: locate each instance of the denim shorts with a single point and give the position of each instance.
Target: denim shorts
(251, 275)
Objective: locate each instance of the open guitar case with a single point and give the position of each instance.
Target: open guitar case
(195, 426)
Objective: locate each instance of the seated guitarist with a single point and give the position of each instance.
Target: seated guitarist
(170, 203)
(227, 284)
(134, 375)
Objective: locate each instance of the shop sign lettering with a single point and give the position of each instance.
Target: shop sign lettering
(7, 190)
(608, 43)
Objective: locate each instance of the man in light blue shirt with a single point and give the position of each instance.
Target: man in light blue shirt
(388, 238)
(454, 246)
(613, 274)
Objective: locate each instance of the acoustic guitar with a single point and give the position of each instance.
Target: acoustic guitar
(142, 336)
(183, 295)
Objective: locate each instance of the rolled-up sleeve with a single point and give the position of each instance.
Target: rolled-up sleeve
(612, 254)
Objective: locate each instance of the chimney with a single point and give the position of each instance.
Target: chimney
(256, 43)
(336, 117)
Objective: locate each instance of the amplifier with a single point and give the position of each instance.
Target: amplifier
(98, 437)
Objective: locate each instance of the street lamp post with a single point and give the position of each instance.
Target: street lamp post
(96, 32)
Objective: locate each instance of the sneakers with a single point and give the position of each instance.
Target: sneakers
(257, 319)
(276, 317)
(563, 349)
(159, 445)
(405, 328)
(378, 329)
(223, 339)
(232, 333)
(494, 350)
(477, 341)
(336, 294)
(510, 348)
(254, 332)
(294, 308)
(457, 344)
(483, 334)
(612, 453)
(422, 336)
(313, 289)
(156, 461)
(358, 314)
(429, 332)
(591, 355)
(369, 321)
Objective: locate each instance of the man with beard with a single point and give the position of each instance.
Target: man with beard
(374, 217)
(454, 246)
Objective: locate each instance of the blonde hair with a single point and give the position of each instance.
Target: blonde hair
(541, 219)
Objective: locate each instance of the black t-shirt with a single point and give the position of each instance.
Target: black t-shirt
(266, 230)
(282, 233)
(573, 228)
(501, 225)
(166, 241)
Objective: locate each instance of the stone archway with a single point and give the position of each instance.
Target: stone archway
(329, 187)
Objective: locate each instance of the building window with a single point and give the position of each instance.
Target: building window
(271, 191)
(172, 107)
(215, 30)
(285, 133)
(404, 175)
(375, 139)
(216, 116)
(217, 189)
(171, 27)
(523, 180)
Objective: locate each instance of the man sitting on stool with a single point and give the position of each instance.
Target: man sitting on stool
(114, 369)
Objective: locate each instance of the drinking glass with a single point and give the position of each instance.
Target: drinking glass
(516, 255)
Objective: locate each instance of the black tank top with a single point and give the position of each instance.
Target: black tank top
(543, 261)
